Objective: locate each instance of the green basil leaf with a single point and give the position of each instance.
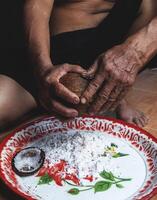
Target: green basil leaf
(114, 145)
(118, 155)
(107, 175)
(46, 179)
(102, 186)
(119, 185)
(74, 191)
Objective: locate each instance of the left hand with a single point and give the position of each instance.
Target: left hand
(114, 73)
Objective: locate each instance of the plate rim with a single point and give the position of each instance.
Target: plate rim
(46, 117)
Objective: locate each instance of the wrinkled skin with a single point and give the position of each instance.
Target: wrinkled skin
(50, 89)
(114, 73)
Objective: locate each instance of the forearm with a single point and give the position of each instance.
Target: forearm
(36, 18)
(144, 42)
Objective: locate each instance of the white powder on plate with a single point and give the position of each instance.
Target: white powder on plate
(81, 150)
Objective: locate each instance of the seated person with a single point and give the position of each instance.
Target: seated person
(109, 41)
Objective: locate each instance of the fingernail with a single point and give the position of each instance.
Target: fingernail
(76, 100)
(83, 100)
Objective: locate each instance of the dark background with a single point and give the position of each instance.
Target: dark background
(12, 47)
(13, 54)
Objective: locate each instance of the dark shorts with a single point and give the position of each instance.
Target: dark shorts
(80, 47)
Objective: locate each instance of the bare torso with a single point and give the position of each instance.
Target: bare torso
(70, 15)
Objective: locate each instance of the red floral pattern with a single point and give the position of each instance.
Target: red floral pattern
(58, 173)
(140, 139)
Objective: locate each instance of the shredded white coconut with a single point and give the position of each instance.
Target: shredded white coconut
(25, 163)
(82, 151)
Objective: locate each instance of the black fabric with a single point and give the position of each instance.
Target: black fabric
(83, 46)
(76, 47)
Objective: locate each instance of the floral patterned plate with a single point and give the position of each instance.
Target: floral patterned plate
(133, 152)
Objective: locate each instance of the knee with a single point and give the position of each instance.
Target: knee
(15, 102)
(7, 105)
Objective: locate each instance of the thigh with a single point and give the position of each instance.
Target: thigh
(15, 101)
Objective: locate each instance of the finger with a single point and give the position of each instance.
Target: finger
(146, 119)
(93, 87)
(102, 97)
(112, 98)
(52, 105)
(64, 93)
(45, 100)
(137, 122)
(63, 110)
(71, 68)
(142, 121)
(141, 124)
(105, 108)
(119, 99)
(91, 71)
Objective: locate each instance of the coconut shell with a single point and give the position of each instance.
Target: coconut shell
(77, 84)
(29, 153)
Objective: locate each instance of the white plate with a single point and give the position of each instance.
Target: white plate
(136, 161)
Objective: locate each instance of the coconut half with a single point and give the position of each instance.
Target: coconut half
(28, 161)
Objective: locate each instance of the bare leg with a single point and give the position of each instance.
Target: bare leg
(125, 111)
(15, 101)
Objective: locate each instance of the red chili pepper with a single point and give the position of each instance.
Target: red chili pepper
(59, 166)
(73, 178)
(89, 178)
(42, 171)
(51, 171)
(57, 178)
(57, 172)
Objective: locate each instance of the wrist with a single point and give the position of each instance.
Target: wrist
(138, 54)
(43, 61)
(41, 64)
(41, 71)
(144, 42)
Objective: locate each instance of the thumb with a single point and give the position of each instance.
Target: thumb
(91, 71)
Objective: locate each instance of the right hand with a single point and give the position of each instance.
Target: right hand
(50, 88)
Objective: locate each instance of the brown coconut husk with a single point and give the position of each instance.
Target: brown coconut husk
(77, 84)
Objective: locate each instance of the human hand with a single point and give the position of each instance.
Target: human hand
(114, 73)
(53, 94)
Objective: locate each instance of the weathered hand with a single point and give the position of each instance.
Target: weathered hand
(50, 89)
(114, 73)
